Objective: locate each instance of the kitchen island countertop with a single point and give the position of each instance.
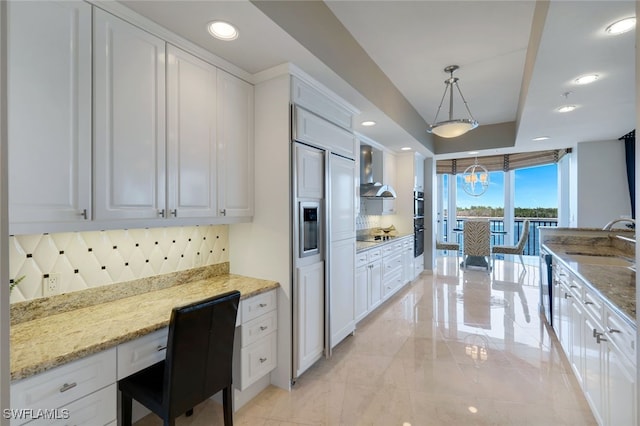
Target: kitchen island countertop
(46, 342)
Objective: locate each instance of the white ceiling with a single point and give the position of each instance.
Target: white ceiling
(412, 42)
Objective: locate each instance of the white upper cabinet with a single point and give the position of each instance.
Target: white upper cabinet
(191, 136)
(49, 112)
(129, 120)
(235, 146)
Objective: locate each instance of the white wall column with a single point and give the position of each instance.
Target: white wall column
(440, 208)
(509, 205)
(564, 195)
(4, 223)
(637, 204)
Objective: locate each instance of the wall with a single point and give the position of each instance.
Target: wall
(265, 243)
(601, 181)
(93, 259)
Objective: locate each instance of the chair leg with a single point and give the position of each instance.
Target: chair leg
(169, 422)
(227, 405)
(521, 259)
(125, 404)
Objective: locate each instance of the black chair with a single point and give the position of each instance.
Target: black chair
(197, 365)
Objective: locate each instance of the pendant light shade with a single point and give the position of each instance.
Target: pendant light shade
(452, 128)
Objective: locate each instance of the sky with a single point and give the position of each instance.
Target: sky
(535, 187)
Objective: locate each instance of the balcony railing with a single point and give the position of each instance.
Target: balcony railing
(532, 246)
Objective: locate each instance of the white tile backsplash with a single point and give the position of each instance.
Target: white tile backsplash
(92, 259)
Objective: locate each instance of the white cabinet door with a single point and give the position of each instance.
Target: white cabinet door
(621, 387)
(593, 380)
(235, 146)
(419, 172)
(49, 111)
(577, 341)
(341, 289)
(343, 198)
(309, 180)
(191, 136)
(375, 285)
(310, 316)
(407, 260)
(129, 120)
(361, 292)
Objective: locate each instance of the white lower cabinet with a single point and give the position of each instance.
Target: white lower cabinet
(600, 346)
(368, 289)
(255, 344)
(341, 281)
(69, 391)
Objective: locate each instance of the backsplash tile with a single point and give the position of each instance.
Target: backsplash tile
(92, 259)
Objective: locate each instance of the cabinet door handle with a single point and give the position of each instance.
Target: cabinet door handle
(262, 305)
(223, 212)
(83, 213)
(161, 348)
(613, 330)
(595, 333)
(599, 339)
(161, 213)
(263, 327)
(174, 212)
(567, 295)
(68, 386)
(262, 360)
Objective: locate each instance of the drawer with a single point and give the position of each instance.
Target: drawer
(259, 327)
(593, 305)
(257, 360)
(621, 334)
(373, 255)
(391, 283)
(362, 258)
(392, 249)
(62, 385)
(142, 352)
(255, 306)
(98, 408)
(391, 264)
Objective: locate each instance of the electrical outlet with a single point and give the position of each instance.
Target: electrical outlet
(51, 284)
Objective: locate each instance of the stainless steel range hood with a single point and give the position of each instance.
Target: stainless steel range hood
(369, 188)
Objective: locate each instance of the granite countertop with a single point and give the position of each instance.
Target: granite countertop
(616, 284)
(45, 342)
(365, 245)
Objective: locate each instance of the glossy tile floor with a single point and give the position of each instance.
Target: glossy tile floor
(453, 348)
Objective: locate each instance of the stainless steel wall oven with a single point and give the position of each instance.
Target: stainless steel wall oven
(418, 223)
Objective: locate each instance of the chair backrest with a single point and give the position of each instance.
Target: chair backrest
(199, 351)
(524, 235)
(477, 238)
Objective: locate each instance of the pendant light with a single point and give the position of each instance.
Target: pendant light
(452, 127)
(475, 179)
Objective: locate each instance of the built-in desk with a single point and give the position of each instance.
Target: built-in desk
(61, 357)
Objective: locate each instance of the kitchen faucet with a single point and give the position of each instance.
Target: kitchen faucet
(609, 225)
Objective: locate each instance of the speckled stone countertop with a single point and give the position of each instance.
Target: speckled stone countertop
(616, 284)
(366, 245)
(47, 341)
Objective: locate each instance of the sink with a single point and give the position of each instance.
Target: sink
(598, 259)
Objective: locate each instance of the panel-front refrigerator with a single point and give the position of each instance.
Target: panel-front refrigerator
(323, 253)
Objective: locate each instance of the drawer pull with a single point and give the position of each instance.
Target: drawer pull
(588, 303)
(262, 305)
(567, 295)
(263, 360)
(599, 338)
(161, 348)
(613, 330)
(573, 286)
(68, 386)
(263, 327)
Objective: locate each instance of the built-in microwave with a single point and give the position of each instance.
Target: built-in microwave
(309, 228)
(418, 204)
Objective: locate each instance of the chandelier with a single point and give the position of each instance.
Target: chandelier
(476, 179)
(452, 128)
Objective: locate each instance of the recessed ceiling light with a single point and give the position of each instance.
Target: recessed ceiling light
(473, 152)
(222, 30)
(368, 123)
(567, 108)
(621, 26)
(540, 138)
(405, 148)
(586, 79)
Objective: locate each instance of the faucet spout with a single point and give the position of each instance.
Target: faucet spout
(609, 225)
